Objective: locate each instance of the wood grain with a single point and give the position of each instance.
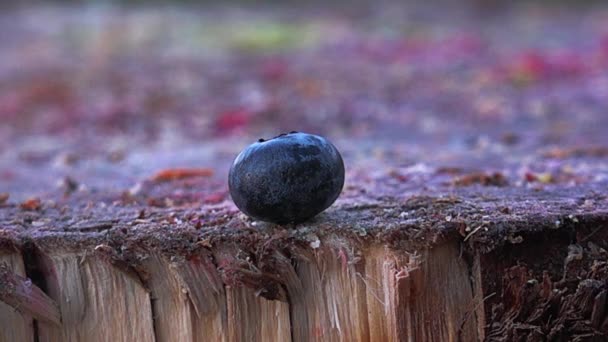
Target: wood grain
(16, 326)
(98, 302)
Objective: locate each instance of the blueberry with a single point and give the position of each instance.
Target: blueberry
(287, 179)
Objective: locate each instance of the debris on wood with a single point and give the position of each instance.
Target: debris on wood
(177, 174)
(482, 178)
(31, 204)
(27, 298)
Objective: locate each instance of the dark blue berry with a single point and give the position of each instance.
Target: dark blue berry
(287, 179)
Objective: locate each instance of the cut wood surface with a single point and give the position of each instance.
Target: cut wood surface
(98, 302)
(475, 204)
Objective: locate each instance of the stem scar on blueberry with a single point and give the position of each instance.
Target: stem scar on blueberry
(287, 180)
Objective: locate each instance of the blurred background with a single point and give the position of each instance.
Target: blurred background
(117, 89)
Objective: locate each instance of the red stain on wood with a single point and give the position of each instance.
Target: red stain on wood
(168, 175)
(233, 119)
(31, 204)
(577, 152)
(215, 198)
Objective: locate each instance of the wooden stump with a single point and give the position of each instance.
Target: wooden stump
(333, 292)
(475, 205)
